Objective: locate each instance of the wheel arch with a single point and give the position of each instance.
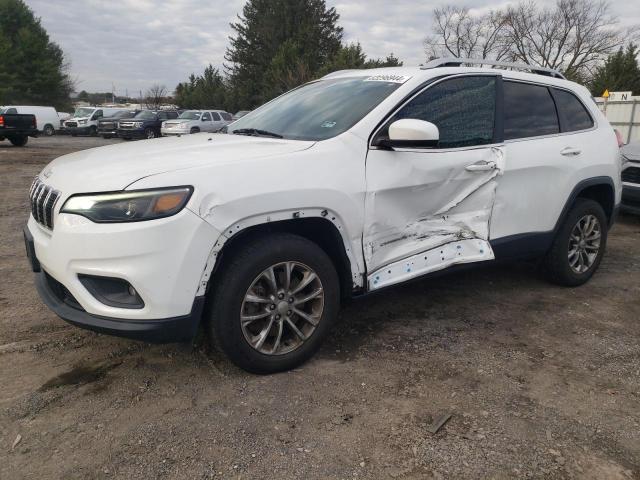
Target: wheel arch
(320, 226)
(601, 189)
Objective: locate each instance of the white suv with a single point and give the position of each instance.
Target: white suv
(346, 185)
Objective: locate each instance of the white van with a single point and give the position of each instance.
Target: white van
(85, 120)
(46, 117)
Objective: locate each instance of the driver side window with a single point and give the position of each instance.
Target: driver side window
(206, 117)
(97, 115)
(462, 108)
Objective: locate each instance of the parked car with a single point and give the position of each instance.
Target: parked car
(239, 114)
(47, 118)
(17, 127)
(145, 124)
(631, 177)
(85, 120)
(108, 126)
(195, 121)
(346, 185)
(63, 116)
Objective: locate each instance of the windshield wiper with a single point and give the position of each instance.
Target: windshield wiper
(256, 132)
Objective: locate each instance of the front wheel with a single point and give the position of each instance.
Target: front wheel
(149, 133)
(48, 130)
(273, 303)
(19, 141)
(579, 245)
(93, 131)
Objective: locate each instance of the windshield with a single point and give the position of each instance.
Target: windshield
(146, 115)
(83, 112)
(318, 110)
(190, 115)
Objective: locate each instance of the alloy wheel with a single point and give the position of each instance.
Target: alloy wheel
(584, 243)
(282, 308)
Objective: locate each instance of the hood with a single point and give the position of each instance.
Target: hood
(632, 151)
(115, 167)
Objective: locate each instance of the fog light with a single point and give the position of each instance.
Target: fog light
(114, 292)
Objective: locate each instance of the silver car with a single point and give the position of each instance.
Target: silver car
(195, 121)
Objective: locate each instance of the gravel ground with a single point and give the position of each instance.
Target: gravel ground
(540, 381)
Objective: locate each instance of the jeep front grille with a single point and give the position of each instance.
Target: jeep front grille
(631, 175)
(43, 199)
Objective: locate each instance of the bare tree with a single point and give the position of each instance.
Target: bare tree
(573, 36)
(155, 96)
(459, 33)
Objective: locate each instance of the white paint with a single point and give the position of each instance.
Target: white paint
(410, 129)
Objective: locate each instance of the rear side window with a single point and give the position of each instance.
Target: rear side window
(574, 114)
(216, 117)
(226, 116)
(10, 111)
(529, 111)
(172, 115)
(462, 108)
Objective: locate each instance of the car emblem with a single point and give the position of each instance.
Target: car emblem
(48, 173)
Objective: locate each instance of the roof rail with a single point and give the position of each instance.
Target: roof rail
(457, 62)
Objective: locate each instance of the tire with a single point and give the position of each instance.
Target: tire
(107, 137)
(568, 270)
(194, 130)
(93, 131)
(126, 138)
(149, 133)
(245, 270)
(19, 141)
(48, 130)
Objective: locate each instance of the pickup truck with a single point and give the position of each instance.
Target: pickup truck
(17, 128)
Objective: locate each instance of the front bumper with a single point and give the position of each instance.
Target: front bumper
(110, 133)
(168, 132)
(630, 198)
(77, 130)
(137, 133)
(166, 330)
(163, 260)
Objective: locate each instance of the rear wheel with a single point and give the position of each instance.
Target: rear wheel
(19, 141)
(274, 303)
(579, 245)
(48, 130)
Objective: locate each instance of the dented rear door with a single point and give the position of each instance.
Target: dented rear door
(428, 209)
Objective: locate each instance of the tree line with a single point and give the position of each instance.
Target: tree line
(578, 37)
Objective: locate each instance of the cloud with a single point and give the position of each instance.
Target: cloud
(137, 43)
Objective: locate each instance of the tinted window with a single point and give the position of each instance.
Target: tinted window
(10, 111)
(206, 117)
(172, 115)
(574, 113)
(216, 117)
(226, 116)
(162, 116)
(529, 111)
(463, 109)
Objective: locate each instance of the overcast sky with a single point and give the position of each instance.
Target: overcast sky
(136, 43)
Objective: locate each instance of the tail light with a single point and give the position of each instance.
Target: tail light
(34, 125)
(619, 138)
(1, 121)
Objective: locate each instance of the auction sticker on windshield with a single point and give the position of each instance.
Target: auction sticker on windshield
(388, 78)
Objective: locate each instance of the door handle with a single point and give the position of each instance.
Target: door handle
(570, 152)
(481, 166)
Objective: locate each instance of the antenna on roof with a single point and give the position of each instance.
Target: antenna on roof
(458, 62)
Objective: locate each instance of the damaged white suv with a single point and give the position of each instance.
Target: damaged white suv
(345, 185)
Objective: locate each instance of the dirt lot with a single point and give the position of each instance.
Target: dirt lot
(540, 381)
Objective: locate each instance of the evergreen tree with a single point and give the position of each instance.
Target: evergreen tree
(208, 90)
(620, 72)
(277, 43)
(32, 68)
(353, 57)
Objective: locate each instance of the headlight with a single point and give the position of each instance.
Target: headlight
(138, 124)
(82, 122)
(164, 124)
(130, 206)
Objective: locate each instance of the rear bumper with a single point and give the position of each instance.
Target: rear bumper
(630, 198)
(18, 132)
(167, 330)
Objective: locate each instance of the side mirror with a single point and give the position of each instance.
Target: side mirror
(412, 133)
